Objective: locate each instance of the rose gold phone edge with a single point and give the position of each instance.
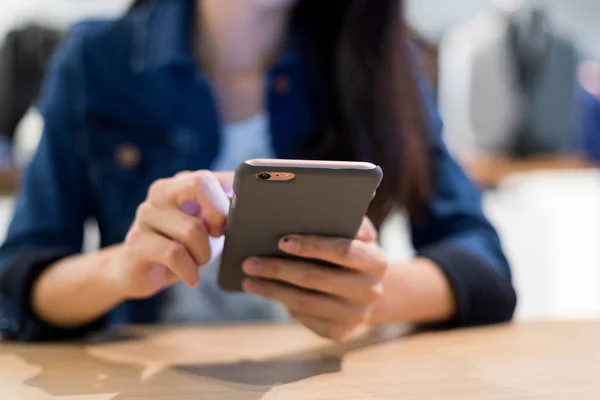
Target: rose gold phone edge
(282, 163)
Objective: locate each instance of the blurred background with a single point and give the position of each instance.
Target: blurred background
(518, 84)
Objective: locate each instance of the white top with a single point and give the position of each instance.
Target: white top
(240, 141)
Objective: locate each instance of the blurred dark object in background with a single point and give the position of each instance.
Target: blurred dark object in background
(547, 75)
(23, 59)
(508, 93)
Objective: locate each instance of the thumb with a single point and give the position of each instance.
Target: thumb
(367, 231)
(225, 179)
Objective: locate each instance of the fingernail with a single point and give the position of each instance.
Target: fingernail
(291, 244)
(190, 208)
(251, 286)
(252, 266)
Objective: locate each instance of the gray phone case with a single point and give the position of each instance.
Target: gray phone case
(319, 201)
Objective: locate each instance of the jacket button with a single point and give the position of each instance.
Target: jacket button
(282, 84)
(128, 156)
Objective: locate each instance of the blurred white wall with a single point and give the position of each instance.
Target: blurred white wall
(432, 17)
(576, 18)
(55, 12)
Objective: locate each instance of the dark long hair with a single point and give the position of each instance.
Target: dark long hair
(370, 106)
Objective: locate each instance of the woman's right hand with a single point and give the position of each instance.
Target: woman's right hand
(169, 238)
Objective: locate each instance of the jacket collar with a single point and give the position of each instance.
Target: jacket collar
(161, 34)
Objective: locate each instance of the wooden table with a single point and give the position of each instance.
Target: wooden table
(526, 361)
(490, 171)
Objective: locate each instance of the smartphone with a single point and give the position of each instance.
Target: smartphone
(274, 198)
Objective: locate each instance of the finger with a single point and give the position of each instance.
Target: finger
(214, 199)
(177, 225)
(157, 249)
(225, 178)
(202, 187)
(346, 284)
(364, 257)
(161, 277)
(367, 231)
(325, 328)
(304, 302)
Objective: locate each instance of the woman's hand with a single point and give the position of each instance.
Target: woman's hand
(169, 239)
(332, 301)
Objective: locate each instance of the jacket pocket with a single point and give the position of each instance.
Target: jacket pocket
(121, 168)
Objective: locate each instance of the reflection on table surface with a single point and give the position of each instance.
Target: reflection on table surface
(524, 361)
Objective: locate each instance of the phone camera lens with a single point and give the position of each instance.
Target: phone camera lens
(264, 176)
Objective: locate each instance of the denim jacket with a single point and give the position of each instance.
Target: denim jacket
(124, 105)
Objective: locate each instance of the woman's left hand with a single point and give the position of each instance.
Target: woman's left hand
(331, 301)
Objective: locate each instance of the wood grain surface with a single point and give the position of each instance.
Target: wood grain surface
(490, 171)
(523, 361)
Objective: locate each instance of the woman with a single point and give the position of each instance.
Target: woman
(182, 85)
